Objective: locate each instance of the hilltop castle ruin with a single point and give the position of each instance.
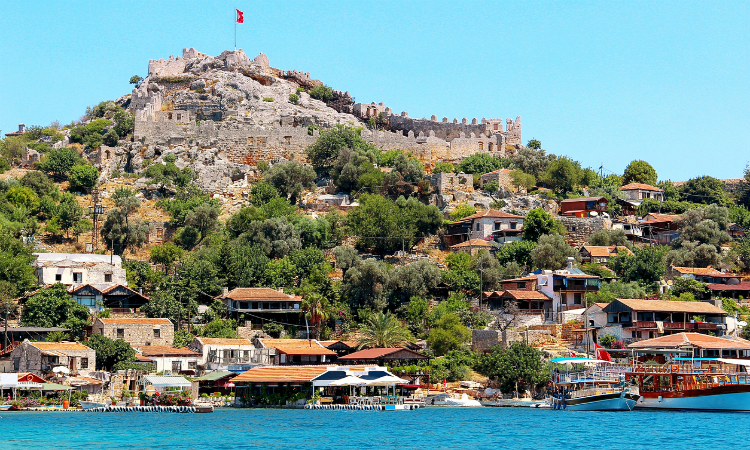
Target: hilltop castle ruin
(242, 109)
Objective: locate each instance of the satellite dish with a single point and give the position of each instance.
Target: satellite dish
(61, 369)
(594, 213)
(742, 323)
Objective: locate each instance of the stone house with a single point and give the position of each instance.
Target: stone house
(660, 228)
(220, 353)
(602, 253)
(473, 246)
(584, 207)
(498, 225)
(136, 331)
(502, 177)
(638, 192)
(75, 269)
(170, 359)
(298, 351)
(449, 183)
(263, 304)
(38, 357)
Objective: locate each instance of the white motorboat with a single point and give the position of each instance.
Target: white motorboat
(461, 400)
(91, 405)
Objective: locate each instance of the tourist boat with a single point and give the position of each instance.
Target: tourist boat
(461, 400)
(5, 407)
(687, 385)
(91, 405)
(584, 384)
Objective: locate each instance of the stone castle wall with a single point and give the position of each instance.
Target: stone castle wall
(579, 229)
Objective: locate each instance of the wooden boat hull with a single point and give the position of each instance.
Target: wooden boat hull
(617, 401)
(721, 398)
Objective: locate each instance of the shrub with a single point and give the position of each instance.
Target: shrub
(300, 90)
(170, 159)
(83, 178)
(267, 99)
(273, 329)
(4, 165)
(110, 138)
(321, 92)
(293, 98)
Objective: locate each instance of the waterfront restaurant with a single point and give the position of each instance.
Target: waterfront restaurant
(381, 356)
(692, 345)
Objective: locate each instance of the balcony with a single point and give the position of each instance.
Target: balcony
(576, 288)
(681, 326)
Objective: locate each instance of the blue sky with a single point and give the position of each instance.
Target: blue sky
(601, 82)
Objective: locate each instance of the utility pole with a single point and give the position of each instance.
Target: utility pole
(96, 210)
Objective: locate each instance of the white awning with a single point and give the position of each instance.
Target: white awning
(8, 380)
(349, 380)
(739, 362)
(166, 381)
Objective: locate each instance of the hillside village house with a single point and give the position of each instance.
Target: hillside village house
(567, 288)
(584, 207)
(638, 192)
(298, 351)
(523, 291)
(38, 357)
(171, 359)
(136, 331)
(473, 246)
(645, 319)
(262, 303)
(700, 345)
(502, 177)
(661, 229)
(115, 296)
(602, 253)
(491, 223)
(74, 269)
(221, 354)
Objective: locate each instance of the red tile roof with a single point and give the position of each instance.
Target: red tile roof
(584, 199)
(165, 350)
(224, 341)
(473, 243)
(378, 353)
(297, 346)
(693, 340)
(60, 346)
(706, 271)
(280, 374)
(525, 295)
(137, 321)
(603, 251)
(670, 306)
(257, 294)
(491, 214)
(641, 186)
(499, 171)
(730, 287)
(527, 278)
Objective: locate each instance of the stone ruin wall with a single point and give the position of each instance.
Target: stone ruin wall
(429, 140)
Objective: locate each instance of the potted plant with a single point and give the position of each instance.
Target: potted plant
(114, 401)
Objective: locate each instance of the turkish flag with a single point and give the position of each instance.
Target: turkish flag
(240, 19)
(600, 353)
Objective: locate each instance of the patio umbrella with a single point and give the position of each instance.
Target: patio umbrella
(349, 380)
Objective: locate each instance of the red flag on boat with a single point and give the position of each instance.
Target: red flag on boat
(240, 19)
(600, 353)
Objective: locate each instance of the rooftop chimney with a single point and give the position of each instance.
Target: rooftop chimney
(571, 262)
(281, 289)
(21, 128)
(225, 291)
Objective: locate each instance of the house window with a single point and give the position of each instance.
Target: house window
(192, 365)
(77, 277)
(84, 363)
(157, 332)
(121, 333)
(179, 116)
(496, 226)
(176, 366)
(613, 318)
(107, 277)
(58, 277)
(521, 285)
(513, 225)
(477, 228)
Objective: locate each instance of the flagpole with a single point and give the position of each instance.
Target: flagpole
(235, 31)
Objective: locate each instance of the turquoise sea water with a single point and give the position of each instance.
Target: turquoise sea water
(431, 428)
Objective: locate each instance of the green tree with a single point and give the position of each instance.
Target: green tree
(219, 328)
(608, 292)
(416, 315)
(609, 237)
(276, 237)
(280, 272)
(461, 275)
(639, 171)
(290, 179)
(686, 285)
(322, 93)
(204, 217)
(462, 211)
(516, 251)
(482, 163)
(562, 175)
(492, 187)
(124, 123)
(417, 279)
(383, 330)
(346, 257)
(443, 167)
(515, 368)
(262, 193)
(120, 234)
(325, 151)
(552, 252)
(136, 80)
(532, 161)
(448, 334)
(165, 255)
(520, 179)
(316, 310)
(54, 307)
(110, 352)
(538, 222)
(38, 181)
(69, 213)
(646, 265)
(702, 232)
(20, 196)
(706, 190)
(60, 161)
(83, 178)
(366, 284)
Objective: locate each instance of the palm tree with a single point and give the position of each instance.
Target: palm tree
(384, 331)
(316, 310)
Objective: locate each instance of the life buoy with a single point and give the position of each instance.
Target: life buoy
(640, 369)
(675, 368)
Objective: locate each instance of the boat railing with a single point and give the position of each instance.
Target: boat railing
(594, 391)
